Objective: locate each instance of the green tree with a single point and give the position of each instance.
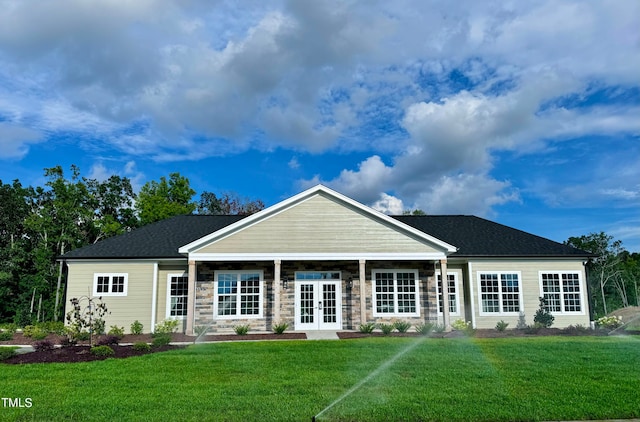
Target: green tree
(164, 199)
(227, 204)
(112, 202)
(604, 269)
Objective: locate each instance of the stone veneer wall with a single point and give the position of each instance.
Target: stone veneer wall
(351, 315)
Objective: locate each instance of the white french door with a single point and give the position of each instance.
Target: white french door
(318, 304)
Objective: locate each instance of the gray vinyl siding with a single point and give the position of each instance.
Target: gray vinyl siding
(123, 310)
(336, 228)
(530, 290)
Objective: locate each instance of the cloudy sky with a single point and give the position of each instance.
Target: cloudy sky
(526, 113)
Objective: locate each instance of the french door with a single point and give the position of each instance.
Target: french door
(318, 304)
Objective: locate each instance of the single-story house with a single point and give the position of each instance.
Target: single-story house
(323, 261)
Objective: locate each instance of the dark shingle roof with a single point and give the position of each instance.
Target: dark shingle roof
(473, 236)
(156, 240)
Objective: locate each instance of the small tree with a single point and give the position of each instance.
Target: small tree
(543, 317)
(86, 314)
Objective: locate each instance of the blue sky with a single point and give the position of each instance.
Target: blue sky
(526, 113)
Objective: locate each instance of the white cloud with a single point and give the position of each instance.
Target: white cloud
(15, 140)
(389, 205)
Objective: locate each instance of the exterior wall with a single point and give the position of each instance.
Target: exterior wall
(161, 299)
(336, 229)
(123, 310)
(529, 270)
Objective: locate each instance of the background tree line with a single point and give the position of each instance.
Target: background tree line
(38, 224)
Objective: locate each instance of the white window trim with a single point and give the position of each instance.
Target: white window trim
(501, 312)
(168, 309)
(238, 315)
(580, 284)
(110, 275)
(395, 293)
(456, 290)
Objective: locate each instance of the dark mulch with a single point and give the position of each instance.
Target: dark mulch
(80, 354)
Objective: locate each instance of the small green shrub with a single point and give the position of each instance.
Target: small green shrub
(6, 336)
(439, 328)
(7, 352)
(83, 336)
(367, 328)
(114, 330)
(386, 328)
(35, 332)
(543, 317)
(522, 322)
(42, 346)
(102, 351)
(461, 325)
(402, 326)
(501, 325)
(141, 347)
(54, 327)
(576, 329)
(241, 330)
(425, 328)
(280, 328)
(167, 326)
(9, 327)
(161, 339)
(136, 327)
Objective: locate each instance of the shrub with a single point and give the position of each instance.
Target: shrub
(54, 327)
(168, 326)
(241, 330)
(543, 317)
(532, 329)
(161, 339)
(141, 347)
(34, 332)
(109, 340)
(402, 326)
(68, 341)
(460, 325)
(114, 330)
(280, 328)
(83, 336)
(522, 322)
(6, 336)
(7, 352)
(439, 328)
(576, 329)
(425, 328)
(609, 322)
(102, 351)
(42, 346)
(501, 325)
(9, 327)
(386, 328)
(367, 328)
(88, 317)
(136, 327)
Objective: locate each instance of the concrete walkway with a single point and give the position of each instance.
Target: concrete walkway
(321, 335)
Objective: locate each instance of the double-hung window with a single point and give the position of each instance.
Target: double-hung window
(500, 293)
(452, 284)
(110, 284)
(239, 294)
(177, 288)
(396, 293)
(561, 291)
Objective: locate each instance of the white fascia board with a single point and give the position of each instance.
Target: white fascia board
(302, 196)
(320, 256)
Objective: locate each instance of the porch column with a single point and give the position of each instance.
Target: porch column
(191, 297)
(277, 264)
(363, 297)
(446, 320)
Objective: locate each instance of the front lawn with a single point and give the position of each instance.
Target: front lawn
(543, 378)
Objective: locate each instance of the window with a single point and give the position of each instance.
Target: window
(561, 291)
(453, 293)
(499, 293)
(110, 284)
(238, 294)
(395, 293)
(177, 286)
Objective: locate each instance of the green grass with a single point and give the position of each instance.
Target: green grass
(545, 378)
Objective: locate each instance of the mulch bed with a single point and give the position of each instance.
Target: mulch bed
(74, 354)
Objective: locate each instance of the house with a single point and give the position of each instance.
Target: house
(322, 261)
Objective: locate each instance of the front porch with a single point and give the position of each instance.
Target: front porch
(313, 295)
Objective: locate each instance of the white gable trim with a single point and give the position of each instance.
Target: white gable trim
(301, 197)
(317, 256)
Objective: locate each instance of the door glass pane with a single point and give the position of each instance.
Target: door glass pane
(306, 303)
(329, 308)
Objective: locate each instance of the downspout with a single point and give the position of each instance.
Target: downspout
(472, 294)
(154, 296)
(589, 298)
